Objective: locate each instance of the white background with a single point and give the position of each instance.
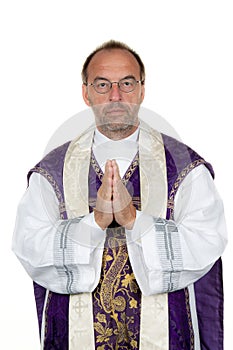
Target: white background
(187, 49)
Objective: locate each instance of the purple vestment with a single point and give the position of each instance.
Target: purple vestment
(121, 322)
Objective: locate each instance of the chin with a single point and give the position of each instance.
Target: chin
(118, 127)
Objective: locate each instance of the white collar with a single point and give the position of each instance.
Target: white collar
(122, 150)
(100, 138)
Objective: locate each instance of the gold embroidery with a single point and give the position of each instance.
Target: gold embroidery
(104, 332)
(133, 303)
(116, 277)
(101, 317)
(102, 347)
(134, 344)
(111, 277)
(131, 169)
(119, 303)
(129, 280)
(123, 335)
(96, 167)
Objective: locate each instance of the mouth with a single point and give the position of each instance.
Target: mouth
(116, 111)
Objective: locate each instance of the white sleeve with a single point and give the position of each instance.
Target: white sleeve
(64, 256)
(169, 255)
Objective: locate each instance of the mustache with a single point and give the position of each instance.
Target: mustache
(113, 106)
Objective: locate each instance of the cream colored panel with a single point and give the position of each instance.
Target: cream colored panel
(76, 170)
(154, 323)
(154, 333)
(81, 330)
(153, 174)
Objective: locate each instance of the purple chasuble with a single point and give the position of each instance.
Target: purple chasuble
(57, 307)
(119, 319)
(180, 160)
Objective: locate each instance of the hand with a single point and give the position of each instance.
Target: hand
(104, 212)
(123, 208)
(114, 200)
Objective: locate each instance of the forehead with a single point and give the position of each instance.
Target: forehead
(113, 64)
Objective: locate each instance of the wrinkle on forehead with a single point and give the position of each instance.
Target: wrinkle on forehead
(113, 64)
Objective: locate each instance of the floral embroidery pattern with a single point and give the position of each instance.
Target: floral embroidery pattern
(117, 299)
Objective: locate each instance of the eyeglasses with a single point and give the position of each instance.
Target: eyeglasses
(103, 86)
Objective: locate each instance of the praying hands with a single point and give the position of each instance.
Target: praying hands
(114, 200)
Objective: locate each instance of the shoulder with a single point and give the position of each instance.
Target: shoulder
(51, 165)
(180, 156)
(56, 154)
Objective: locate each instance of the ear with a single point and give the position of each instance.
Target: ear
(85, 95)
(142, 92)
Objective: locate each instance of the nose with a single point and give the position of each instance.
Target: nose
(115, 93)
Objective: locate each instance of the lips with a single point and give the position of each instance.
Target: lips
(116, 111)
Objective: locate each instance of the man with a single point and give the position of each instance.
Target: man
(122, 229)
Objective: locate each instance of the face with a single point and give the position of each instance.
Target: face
(116, 112)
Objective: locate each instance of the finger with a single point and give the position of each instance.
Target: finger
(116, 172)
(108, 174)
(108, 167)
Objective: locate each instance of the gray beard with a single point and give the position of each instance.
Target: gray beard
(116, 127)
(117, 131)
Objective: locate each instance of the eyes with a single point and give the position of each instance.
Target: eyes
(102, 86)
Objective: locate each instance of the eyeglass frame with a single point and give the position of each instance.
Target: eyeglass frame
(114, 82)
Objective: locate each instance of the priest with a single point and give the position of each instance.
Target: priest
(122, 229)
